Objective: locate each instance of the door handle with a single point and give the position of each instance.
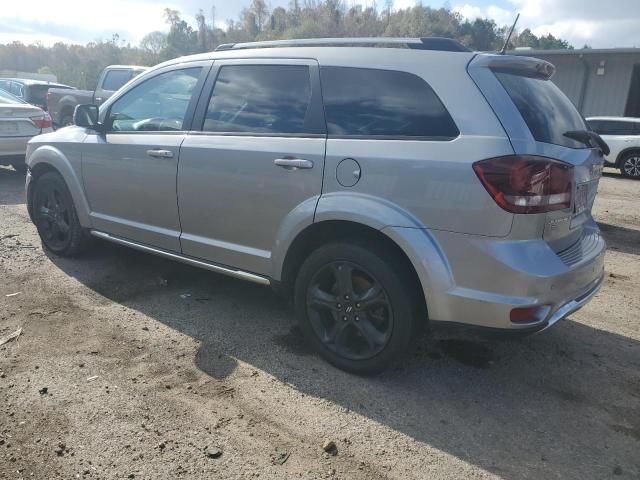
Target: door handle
(98, 99)
(293, 163)
(155, 153)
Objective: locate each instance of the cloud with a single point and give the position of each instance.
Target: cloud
(500, 15)
(77, 21)
(578, 21)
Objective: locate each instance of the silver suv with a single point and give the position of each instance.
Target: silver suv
(386, 189)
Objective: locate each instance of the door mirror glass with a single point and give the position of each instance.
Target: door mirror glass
(86, 116)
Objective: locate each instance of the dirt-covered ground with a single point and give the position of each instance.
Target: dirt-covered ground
(130, 366)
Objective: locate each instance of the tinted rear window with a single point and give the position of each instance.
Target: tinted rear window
(546, 110)
(369, 102)
(271, 99)
(614, 127)
(115, 79)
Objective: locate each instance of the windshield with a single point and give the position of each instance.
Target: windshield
(6, 97)
(548, 113)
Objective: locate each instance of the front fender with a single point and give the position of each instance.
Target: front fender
(69, 166)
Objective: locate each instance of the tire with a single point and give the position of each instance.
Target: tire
(357, 306)
(66, 120)
(55, 216)
(630, 165)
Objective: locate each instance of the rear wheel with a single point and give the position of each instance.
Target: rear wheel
(630, 165)
(55, 216)
(357, 306)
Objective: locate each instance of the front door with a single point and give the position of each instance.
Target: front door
(258, 156)
(130, 171)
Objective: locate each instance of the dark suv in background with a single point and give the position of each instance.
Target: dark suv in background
(31, 91)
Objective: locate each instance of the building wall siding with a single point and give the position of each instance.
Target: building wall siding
(605, 94)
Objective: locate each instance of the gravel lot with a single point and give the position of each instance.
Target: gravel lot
(130, 366)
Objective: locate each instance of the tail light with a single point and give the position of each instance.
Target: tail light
(526, 183)
(42, 122)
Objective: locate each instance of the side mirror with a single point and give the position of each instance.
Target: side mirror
(86, 116)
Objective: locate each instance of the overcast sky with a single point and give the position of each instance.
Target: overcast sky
(601, 24)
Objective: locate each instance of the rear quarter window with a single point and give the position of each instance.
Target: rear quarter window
(545, 109)
(362, 102)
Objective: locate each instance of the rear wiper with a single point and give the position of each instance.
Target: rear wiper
(589, 138)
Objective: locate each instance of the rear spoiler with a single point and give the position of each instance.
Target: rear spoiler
(516, 65)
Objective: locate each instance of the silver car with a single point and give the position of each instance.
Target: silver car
(19, 122)
(384, 189)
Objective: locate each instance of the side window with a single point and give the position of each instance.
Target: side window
(369, 102)
(612, 127)
(260, 99)
(158, 104)
(596, 126)
(114, 79)
(16, 89)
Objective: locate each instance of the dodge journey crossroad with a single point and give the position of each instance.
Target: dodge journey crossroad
(386, 188)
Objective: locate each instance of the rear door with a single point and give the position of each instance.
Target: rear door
(130, 171)
(256, 154)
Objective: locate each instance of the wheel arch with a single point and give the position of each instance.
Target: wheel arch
(331, 231)
(625, 152)
(47, 158)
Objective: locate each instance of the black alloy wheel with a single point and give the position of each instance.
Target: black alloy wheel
(55, 216)
(349, 311)
(359, 305)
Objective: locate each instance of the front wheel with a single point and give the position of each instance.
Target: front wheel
(630, 165)
(357, 306)
(55, 216)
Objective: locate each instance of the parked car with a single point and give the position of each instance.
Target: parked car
(19, 122)
(31, 91)
(385, 189)
(622, 134)
(62, 102)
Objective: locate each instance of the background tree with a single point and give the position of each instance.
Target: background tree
(80, 65)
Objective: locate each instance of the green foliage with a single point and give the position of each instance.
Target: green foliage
(80, 66)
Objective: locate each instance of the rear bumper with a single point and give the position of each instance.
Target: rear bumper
(12, 148)
(457, 329)
(488, 277)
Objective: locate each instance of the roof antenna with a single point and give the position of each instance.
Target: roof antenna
(506, 42)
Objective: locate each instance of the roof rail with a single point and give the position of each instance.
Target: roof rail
(421, 43)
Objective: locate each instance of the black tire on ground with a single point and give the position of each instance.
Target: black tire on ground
(55, 216)
(630, 165)
(372, 327)
(20, 167)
